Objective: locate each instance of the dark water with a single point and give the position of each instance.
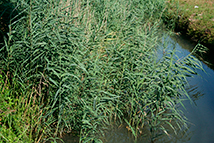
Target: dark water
(200, 112)
(201, 115)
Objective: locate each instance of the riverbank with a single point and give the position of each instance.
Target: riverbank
(80, 66)
(194, 18)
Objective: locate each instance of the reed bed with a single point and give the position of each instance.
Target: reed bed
(84, 64)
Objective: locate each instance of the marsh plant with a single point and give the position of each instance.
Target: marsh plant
(84, 64)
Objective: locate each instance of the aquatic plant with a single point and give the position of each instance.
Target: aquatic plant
(93, 62)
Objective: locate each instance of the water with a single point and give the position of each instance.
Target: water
(199, 112)
(201, 115)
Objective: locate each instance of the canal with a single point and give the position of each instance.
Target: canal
(199, 112)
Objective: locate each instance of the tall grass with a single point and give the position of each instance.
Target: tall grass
(93, 62)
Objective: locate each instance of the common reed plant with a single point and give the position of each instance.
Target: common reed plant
(90, 63)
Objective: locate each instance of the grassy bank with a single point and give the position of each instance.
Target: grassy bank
(195, 19)
(78, 66)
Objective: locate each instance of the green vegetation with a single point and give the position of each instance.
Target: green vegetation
(194, 18)
(19, 114)
(78, 66)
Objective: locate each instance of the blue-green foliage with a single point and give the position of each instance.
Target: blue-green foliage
(91, 62)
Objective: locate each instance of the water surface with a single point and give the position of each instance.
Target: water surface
(200, 112)
(201, 115)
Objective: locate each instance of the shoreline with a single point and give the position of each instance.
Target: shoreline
(191, 21)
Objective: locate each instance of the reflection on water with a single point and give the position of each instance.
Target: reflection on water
(200, 114)
(122, 134)
(70, 138)
(206, 54)
(194, 92)
(201, 90)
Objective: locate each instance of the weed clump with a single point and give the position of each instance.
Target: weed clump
(87, 64)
